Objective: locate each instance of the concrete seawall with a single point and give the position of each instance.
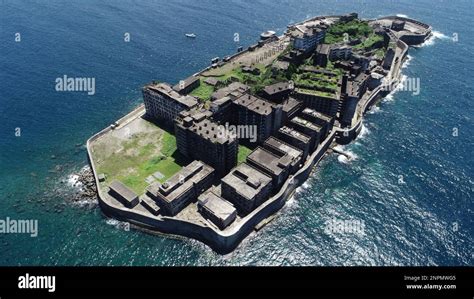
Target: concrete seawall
(221, 241)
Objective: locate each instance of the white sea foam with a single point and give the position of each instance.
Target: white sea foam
(73, 180)
(118, 224)
(390, 96)
(407, 62)
(347, 157)
(374, 110)
(291, 201)
(364, 132)
(431, 41)
(86, 203)
(343, 159)
(402, 15)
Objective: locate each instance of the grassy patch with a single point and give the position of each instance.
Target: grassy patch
(315, 81)
(369, 41)
(137, 158)
(317, 92)
(243, 153)
(355, 29)
(380, 53)
(204, 91)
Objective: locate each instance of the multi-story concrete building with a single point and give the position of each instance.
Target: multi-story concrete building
(308, 128)
(306, 37)
(277, 92)
(325, 121)
(200, 138)
(163, 104)
(296, 139)
(389, 58)
(355, 87)
(213, 207)
(149, 204)
(322, 55)
(182, 188)
(280, 149)
(319, 101)
(398, 25)
(273, 164)
(233, 90)
(187, 85)
(340, 51)
(223, 110)
(254, 111)
(246, 188)
(291, 108)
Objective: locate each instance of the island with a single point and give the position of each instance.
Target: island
(216, 156)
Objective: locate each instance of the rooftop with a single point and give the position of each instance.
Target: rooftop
(283, 148)
(168, 92)
(323, 49)
(290, 104)
(235, 89)
(246, 180)
(122, 190)
(199, 123)
(216, 205)
(181, 181)
(299, 29)
(295, 134)
(317, 114)
(277, 87)
(327, 95)
(274, 164)
(306, 123)
(255, 104)
(212, 131)
(211, 81)
(183, 84)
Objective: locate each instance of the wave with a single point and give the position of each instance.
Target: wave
(291, 201)
(390, 97)
(303, 187)
(118, 224)
(364, 132)
(436, 35)
(401, 15)
(86, 203)
(346, 156)
(374, 110)
(73, 180)
(407, 62)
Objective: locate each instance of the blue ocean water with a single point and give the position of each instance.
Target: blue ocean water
(410, 182)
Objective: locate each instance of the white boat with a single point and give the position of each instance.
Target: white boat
(191, 35)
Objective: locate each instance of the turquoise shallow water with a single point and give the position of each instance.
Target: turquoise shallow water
(412, 223)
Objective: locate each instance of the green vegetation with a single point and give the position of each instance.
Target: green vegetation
(380, 53)
(369, 42)
(316, 92)
(243, 153)
(315, 81)
(355, 29)
(330, 67)
(136, 158)
(204, 91)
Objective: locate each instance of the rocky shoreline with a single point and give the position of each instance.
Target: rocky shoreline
(85, 181)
